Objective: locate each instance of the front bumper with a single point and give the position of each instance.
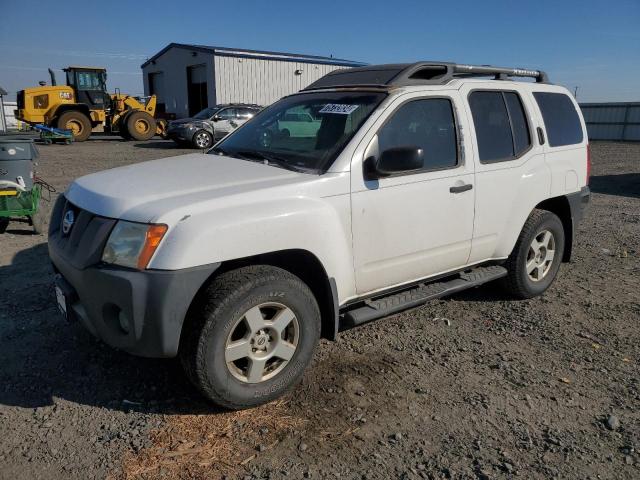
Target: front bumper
(182, 134)
(140, 312)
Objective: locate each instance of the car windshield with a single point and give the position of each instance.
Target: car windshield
(205, 114)
(304, 132)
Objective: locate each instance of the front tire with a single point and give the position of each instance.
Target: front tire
(77, 122)
(140, 125)
(250, 335)
(202, 139)
(535, 260)
(122, 127)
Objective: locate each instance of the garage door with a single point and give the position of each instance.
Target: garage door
(197, 88)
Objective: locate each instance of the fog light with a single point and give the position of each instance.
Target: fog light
(124, 322)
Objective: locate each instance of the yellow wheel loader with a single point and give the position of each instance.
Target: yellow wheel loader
(84, 105)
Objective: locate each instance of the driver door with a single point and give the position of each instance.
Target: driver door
(416, 224)
(225, 123)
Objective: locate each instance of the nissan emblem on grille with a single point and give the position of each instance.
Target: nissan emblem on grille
(67, 222)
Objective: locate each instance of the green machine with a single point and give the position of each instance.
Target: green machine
(20, 188)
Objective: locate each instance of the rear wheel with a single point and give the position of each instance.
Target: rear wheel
(140, 125)
(77, 122)
(536, 258)
(122, 127)
(202, 139)
(248, 339)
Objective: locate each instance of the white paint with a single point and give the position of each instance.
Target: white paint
(368, 235)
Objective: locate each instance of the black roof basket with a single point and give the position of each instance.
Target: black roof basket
(420, 73)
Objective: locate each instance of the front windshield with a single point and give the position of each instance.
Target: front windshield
(304, 132)
(205, 114)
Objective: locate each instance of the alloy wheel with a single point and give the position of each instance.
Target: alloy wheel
(540, 257)
(202, 140)
(262, 342)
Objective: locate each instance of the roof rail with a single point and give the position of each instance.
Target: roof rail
(500, 72)
(420, 73)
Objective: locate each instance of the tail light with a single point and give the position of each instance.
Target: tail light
(588, 162)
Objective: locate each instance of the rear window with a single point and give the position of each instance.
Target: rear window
(501, 125)
(560, 117)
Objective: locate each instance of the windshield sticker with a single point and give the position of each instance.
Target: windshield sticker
(338, 108)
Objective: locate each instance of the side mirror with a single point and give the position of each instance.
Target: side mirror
(216, 118)
(396, 161)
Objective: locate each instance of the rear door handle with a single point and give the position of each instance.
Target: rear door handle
(460, 188)
(541, 136)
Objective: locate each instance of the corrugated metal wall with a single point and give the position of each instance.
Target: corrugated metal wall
(172, 89)
(249, 80)
(612, 121)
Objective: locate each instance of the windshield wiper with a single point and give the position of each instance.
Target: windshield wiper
(255, 155)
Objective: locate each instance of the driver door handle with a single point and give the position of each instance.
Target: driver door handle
(460, 188)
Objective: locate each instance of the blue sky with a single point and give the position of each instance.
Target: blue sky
(589, 43)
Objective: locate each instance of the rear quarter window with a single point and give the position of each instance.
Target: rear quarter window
(501, 125)
(561, 119)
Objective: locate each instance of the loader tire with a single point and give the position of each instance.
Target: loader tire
(140, 125)
(122, 127)
(77, 122)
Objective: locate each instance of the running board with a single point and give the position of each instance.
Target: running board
(378, 307)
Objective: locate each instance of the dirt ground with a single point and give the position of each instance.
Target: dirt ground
(476, 386)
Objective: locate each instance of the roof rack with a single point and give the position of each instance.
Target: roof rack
(420, 73)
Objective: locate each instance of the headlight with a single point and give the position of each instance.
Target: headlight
(132, 244)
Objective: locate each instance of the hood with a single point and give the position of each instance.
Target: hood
(146, 191)
(183, 121)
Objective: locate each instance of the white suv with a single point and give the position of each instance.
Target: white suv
(420, 180)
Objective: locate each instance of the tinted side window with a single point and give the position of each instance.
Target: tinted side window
(227, 113)
(560, 118)
(491, 122)
(501, 125)
(519, 127)
(428, 124)
(246, 112)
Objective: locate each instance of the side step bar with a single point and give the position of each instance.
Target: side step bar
(378, 307)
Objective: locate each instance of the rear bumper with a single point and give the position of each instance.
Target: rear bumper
(578, 202)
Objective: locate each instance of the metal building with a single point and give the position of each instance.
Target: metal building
(188, 78)
(612, 121)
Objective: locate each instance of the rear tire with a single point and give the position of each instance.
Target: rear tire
(140, 125)
(77, 122)
(249, 336)
(536, 258)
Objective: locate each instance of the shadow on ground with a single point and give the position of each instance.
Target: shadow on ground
(622, 185)
(42, 356)
(163, 145)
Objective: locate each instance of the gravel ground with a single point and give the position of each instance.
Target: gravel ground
(474, 386)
